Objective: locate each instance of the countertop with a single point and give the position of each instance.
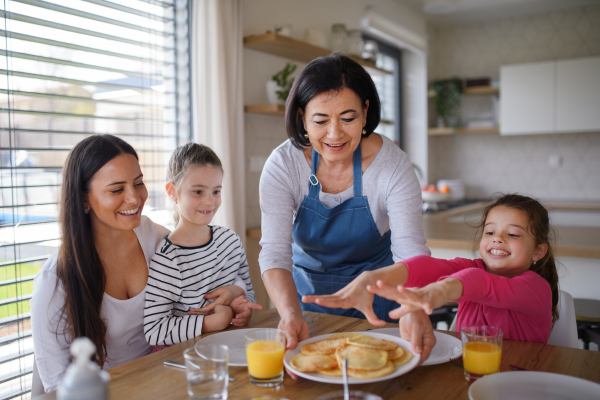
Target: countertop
(572, 241)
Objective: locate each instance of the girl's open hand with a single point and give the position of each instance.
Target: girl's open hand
(224, 296)
(242, 310)
(354, 295)
(427, 298)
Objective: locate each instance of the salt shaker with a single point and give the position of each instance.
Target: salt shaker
(84, 379)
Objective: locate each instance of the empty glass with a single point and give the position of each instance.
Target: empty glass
(338, 37)
(207, 371)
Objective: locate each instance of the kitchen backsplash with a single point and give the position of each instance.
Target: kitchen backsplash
(490, 163)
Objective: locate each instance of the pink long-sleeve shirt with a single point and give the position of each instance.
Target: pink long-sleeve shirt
(520, 306)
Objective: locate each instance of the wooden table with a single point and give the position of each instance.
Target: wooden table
(147, 378)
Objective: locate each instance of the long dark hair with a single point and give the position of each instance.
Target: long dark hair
(79, 266)
(325, 74)
(539, 223)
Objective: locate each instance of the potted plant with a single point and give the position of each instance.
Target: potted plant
(278, 88)
(448, 93)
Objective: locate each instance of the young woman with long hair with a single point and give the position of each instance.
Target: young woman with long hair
(94, 284)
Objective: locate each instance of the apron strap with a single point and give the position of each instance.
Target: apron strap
(314, 186)
(357, 165)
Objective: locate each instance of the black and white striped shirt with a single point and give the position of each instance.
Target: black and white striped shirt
(179, 277)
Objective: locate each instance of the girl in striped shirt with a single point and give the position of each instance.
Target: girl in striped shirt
(199, 279)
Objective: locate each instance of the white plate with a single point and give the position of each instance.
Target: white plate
(533, 385)
(446, 346)
(338, 379)
(236, 343)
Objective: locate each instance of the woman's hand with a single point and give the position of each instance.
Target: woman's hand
(295, 327)
(417, 328)
(354, 295)
(242, 309)
(224, 294)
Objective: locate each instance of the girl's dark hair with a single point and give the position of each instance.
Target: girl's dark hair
(184, 156)
(325, 74)
(539, 224)
(79, 267)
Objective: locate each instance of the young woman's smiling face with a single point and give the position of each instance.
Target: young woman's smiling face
(334, 122)
(117, 194)
(508, 246)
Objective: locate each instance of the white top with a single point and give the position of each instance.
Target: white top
(125, 339)
(389, 183)
(179, 278)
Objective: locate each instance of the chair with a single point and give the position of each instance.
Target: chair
(37, 387)
(564, 332)
(587, 313)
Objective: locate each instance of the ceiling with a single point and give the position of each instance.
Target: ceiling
(482, 10)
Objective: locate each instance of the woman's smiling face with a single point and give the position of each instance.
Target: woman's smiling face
(117, 194)
(334, 122)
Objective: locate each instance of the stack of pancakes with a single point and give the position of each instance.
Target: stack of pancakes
(367, 357)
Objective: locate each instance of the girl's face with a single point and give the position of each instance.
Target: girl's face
(117, 194)
(334, 122)
(507, 246)
(199, 194)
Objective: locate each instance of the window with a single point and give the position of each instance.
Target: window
(70, 69)
(389, 89)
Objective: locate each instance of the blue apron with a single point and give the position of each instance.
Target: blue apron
(332, 246)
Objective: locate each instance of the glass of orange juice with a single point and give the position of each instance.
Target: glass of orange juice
(482, 350)
(264, 350)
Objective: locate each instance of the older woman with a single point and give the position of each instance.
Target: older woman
(337, 200)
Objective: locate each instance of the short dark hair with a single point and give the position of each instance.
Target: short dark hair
(324, 74)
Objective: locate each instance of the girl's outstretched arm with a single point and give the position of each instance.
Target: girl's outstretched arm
(427, 298)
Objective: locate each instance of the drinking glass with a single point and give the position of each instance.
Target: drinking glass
(264, 350)
(207, 371)
(482, 350)
(338, 37)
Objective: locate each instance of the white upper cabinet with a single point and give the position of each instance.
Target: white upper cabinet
(527, 95)
(578, 95)
(550, 97)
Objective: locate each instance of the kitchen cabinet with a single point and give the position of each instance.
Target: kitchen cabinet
(527, 102)
(578, 95)
(550, 97)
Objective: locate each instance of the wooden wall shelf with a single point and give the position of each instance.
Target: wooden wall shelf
(482, 90)
(266, 109)
(287, 47)
(473, 90)
(460, 131)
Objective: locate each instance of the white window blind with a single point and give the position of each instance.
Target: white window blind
(70, 69)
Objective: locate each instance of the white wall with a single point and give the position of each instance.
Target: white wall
(491, 163)
(264, 133)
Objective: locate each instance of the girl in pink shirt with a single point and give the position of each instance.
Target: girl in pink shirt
(513, 286)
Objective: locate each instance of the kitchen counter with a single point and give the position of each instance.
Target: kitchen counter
(443, 230)
(572, 241)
